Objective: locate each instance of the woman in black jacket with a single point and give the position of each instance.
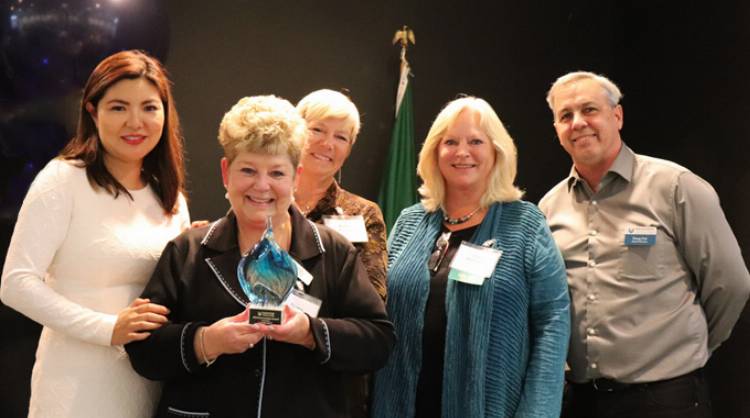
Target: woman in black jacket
(212, 361)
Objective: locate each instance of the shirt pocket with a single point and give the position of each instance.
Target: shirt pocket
(644, 262)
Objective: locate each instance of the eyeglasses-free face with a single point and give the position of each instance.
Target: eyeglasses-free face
(328, 146)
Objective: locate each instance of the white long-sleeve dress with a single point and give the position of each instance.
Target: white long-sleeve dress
(77, 257)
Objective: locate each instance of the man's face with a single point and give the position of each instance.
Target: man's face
(587, 125)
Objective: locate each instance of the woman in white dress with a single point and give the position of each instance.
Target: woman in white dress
(88, 236)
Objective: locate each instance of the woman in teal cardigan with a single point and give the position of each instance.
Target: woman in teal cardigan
(471, 345)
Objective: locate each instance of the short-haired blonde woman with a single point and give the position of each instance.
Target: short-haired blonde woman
(473, 343)
(333, 124)
(213, 362)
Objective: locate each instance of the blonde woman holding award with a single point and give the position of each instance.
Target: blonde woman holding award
(213, 361)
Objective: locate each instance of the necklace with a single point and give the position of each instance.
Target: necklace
(305, 209)
(312, 201)
(455, 221)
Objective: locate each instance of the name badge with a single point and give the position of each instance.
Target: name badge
(303, 274)
(351, 227)
(473, 263)
(304, 302)
(640, 235)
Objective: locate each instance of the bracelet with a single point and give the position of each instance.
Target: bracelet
(203, 347)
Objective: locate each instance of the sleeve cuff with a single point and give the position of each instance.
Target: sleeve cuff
(322, 337)
(188, 355)
(107, 329)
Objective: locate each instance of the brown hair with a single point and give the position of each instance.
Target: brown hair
(163, 167)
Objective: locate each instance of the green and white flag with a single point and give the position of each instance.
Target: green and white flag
(398, 188)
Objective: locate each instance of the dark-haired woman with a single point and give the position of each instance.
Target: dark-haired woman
(88, 236)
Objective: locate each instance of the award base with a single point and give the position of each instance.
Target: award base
(269, 315)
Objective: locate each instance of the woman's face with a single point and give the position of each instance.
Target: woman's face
(465, 154)
(328, 145)
(258, 186)
(130, 120)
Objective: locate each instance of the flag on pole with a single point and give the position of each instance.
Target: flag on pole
(398, 188)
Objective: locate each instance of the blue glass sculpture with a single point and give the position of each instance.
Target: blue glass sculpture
(267, 275)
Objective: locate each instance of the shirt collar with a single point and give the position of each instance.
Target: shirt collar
(304, 234)
(624, 163)
(623, 166)
(327, 204)
(222, 234)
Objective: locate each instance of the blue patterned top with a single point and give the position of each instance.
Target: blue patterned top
(506, 340)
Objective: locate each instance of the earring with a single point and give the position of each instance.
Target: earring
(226, 195)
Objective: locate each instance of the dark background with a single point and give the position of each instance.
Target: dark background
(683, 69)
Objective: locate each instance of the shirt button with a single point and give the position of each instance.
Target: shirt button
(592, 263)
(591, 331)
(591, 296)
(594, 365)
(593, 233)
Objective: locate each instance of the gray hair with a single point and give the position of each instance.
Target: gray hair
(612, 91)
(325, 103)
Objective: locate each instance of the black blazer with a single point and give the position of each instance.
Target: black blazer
(196, 279)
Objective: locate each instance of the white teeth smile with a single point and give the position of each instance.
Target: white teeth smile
(257, 200)
(574, 140)
(464, 165)
(321, 157)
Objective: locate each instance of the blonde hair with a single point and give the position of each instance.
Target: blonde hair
(325, 103)
(263, 124)
(610, 89)
(501, 187)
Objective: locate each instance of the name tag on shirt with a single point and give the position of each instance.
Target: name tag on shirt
(303, 274)
(472, 264)
(640, 235)
(351, 227)
(304, 302)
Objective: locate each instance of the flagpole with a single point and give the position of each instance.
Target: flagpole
(398, 188)
(403, 36)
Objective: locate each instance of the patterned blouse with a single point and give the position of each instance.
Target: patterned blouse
(373, 252)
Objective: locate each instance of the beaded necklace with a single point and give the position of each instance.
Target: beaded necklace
(455, 221)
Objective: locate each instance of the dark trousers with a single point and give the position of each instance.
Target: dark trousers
(681, 397)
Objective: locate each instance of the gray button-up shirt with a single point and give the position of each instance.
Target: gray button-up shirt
(647, 312)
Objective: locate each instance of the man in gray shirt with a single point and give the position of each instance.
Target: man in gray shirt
(656, 276)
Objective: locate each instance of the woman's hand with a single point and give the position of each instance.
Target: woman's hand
(230, 335)
(135, 321)
(294, 330)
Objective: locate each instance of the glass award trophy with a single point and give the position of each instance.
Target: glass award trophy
(267, 275)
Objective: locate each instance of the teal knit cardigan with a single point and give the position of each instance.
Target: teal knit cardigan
(506, 340)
